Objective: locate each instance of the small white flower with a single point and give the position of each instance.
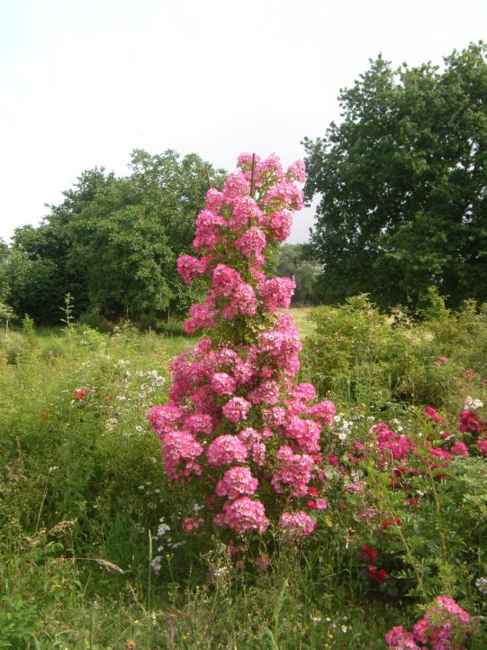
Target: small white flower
(162, 530)
(481, 584)
(111, 423)
(156, 564)
(472, 404)
(220, 572)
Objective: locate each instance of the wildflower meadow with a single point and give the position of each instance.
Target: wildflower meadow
(247, 482)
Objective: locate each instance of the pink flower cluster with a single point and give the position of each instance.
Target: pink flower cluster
(277, 293)
(180, 450)
(236, 482)
(469, 422)
(445, 626)
(251, 213)
(226, 449)
(294, 472)
(243, 515)
(297, 524)
(396, 451)
(237, 425)
(432, 414)
(390, 444)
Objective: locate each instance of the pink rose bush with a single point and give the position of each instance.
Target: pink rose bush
(262, 452)
(238, 427)
(445, 626)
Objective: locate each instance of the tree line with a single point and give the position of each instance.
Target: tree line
(402, 186)
(112, 243)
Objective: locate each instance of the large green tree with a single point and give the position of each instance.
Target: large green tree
(112, 243)
(402, 183)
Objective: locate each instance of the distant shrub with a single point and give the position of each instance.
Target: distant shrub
(95, 320)
(13, 345)
(52, 351)
(358, 354)
(88, 337)
(171, 327)
(462, 336)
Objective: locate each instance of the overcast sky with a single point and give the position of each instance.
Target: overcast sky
(83, 82)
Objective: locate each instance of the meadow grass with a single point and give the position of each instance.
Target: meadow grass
(82, 495)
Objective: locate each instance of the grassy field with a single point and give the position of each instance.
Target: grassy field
(83, 497)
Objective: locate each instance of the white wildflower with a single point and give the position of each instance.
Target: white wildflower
(481, 584)
(472, 404)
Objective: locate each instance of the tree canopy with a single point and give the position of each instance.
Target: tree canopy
(402, 181)
(112, 243)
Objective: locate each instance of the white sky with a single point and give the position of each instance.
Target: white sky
(83, 82)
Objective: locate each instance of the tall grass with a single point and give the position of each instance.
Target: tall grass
(82, 494)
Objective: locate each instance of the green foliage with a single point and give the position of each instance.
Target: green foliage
(4, 255)
(12, 347)
(28, 327)
(68, 310)
(82, 494)
(431, 306)
(358, 354)
(462, 336)
(7, 314)
(401, 182)
(18, 620)
(113, 242)
(33, 284)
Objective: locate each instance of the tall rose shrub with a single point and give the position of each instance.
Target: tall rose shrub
(237, 425)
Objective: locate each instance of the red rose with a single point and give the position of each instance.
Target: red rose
(469, 422)
(377, 575)
(79, 394)
(369, 553)
(391, 522)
